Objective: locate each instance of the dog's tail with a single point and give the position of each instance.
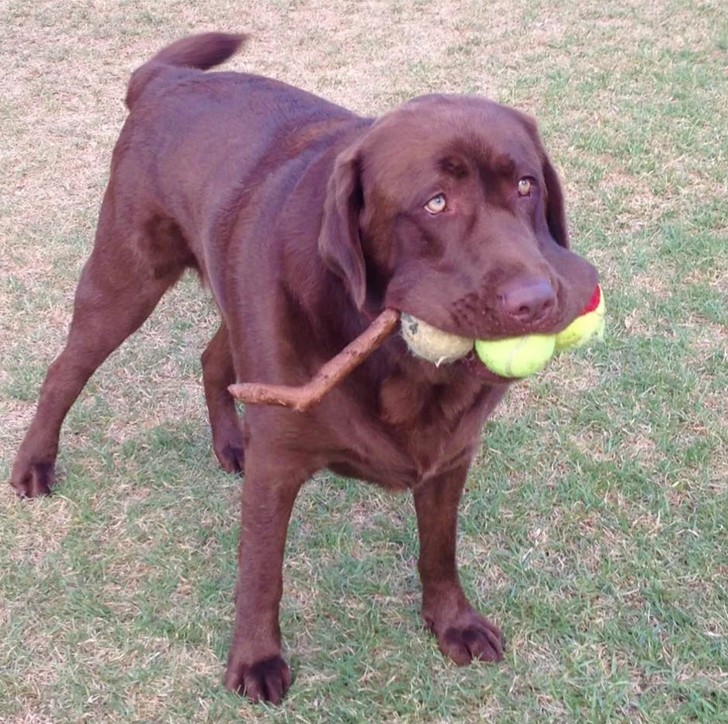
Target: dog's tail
(197, 51)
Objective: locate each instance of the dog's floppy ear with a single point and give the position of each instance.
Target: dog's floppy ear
(339, 241)
(555, 213)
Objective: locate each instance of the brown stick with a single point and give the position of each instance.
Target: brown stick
(331, 373)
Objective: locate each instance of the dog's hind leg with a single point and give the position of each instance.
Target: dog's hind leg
(119, 287)
(218, 373)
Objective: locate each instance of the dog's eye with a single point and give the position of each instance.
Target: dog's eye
(524, 186)
(436, 204)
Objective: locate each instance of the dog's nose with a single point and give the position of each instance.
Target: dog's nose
(527, 301)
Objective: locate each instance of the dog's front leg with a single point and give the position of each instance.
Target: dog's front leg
(255, 665)
(462, 633)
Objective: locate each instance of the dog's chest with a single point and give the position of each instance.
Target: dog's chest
(415, 433)
(391, 463)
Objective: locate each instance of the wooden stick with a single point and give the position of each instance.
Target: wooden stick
(304, 397)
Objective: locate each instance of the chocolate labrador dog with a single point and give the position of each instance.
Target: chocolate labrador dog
(305, 221)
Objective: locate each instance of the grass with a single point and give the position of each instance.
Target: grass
(594, 529)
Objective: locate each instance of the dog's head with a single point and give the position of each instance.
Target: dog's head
(449, 209)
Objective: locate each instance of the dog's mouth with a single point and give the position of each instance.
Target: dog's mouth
(503, 359)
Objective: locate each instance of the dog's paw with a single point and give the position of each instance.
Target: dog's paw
(231, 457)
(470, 637)
(266, 680)
(33, 480)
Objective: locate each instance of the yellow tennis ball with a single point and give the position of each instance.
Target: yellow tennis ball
(588, 325)
(431, 343)
(516, 356)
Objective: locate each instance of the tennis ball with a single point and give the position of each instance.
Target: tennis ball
(588, 325)
(516, 356)
(431, 343)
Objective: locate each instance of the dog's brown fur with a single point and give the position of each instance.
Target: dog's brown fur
(306, 220)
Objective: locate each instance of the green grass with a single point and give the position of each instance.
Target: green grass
(594, 528)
